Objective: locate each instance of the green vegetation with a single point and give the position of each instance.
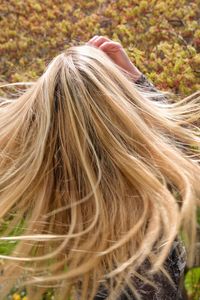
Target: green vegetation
(192, 283)
(161, 37)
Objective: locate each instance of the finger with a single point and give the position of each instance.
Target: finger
(110, 46)
(104, 46)
(92, 39)
(99, 41)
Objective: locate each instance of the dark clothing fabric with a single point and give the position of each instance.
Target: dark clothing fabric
(145, 83)
(174, 264)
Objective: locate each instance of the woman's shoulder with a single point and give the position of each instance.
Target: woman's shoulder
(174, 265)
(145, 82)
(146, 85)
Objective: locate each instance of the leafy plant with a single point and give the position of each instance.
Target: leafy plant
(192, 283)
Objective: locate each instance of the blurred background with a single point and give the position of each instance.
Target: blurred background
(161, 37)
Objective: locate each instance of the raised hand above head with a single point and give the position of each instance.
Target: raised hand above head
(117, 53)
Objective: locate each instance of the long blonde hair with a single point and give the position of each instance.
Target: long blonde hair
(98, 175)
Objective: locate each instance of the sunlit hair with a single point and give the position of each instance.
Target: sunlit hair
(97, 175)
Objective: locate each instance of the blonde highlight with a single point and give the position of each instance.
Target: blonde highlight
(89, 161)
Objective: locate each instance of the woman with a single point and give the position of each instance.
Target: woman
(100, 178)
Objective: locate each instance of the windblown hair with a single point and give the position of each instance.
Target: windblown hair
(97, 176)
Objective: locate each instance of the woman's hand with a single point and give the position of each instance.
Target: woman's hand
(116, 52)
